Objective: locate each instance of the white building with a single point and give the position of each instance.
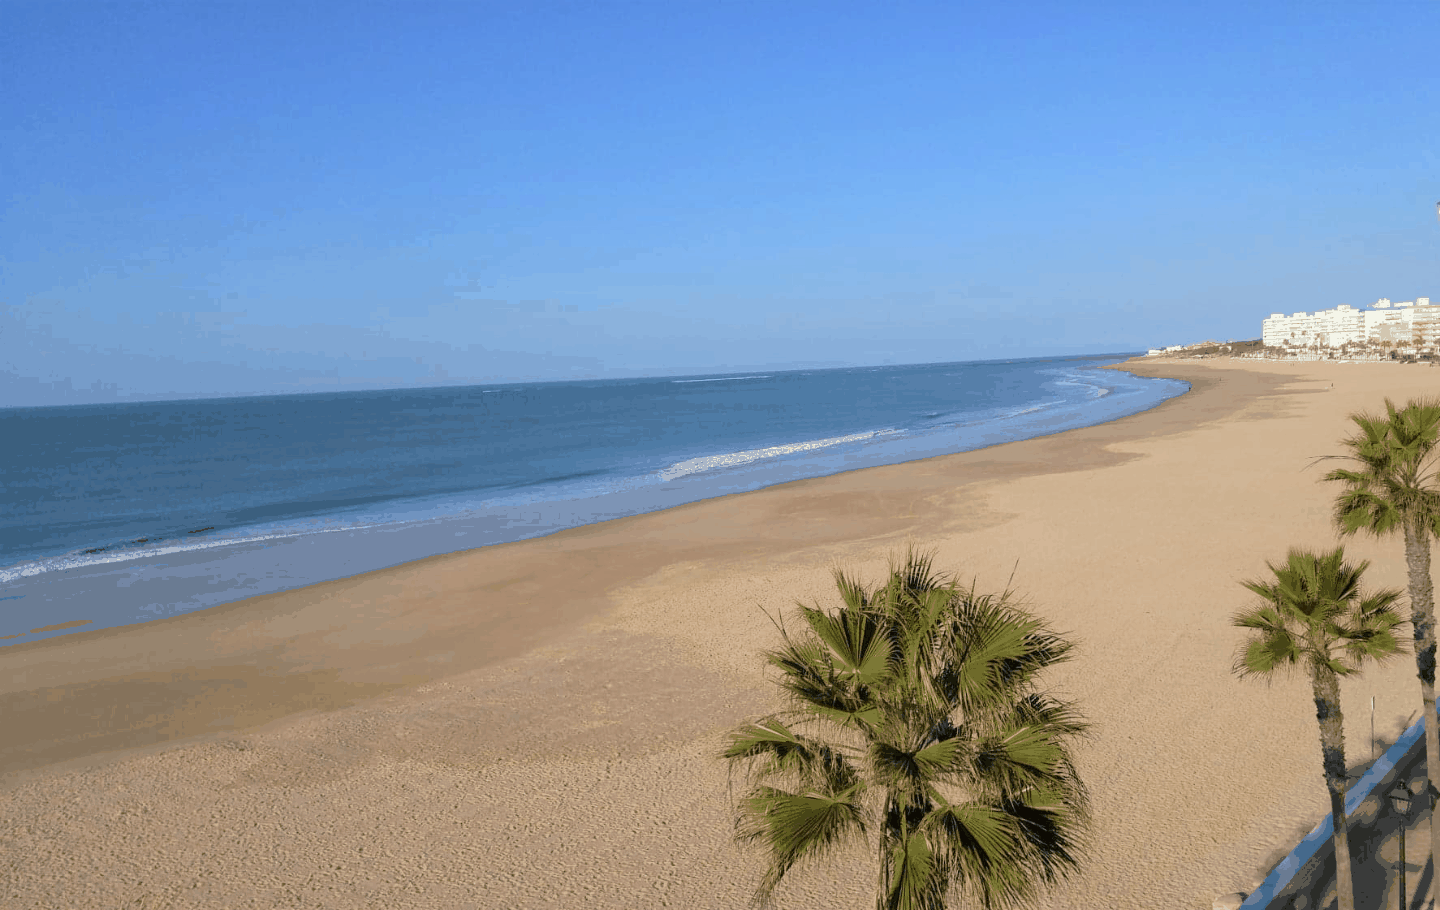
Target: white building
(1409, 323)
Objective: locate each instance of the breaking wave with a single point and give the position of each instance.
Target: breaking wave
(732, 459)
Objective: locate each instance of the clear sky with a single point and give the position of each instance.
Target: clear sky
(198, 198)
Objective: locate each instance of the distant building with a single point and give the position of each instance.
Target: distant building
(1409, 323)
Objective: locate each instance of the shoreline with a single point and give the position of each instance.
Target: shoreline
(296, 653)
(114, 585)
(591, 672)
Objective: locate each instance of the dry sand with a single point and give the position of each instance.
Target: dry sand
(534, 725)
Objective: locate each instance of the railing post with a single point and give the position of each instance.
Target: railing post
(1403, 905)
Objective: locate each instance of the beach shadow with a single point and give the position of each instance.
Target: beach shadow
(1376, 870)
(1374, 845)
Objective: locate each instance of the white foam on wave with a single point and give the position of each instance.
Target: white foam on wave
(1093, 389)
(732, 459)
(86, 560)
(1092, 392)
(722, 379)
(1030, 410)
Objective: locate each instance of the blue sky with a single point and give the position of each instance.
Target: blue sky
(200, 198)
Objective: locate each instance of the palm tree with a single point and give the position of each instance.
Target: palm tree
(914, 717)
(1315, 614)
(1396, 489)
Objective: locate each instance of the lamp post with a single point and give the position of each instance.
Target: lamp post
(1401, 800)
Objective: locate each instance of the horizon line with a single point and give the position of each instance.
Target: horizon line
(654, 373)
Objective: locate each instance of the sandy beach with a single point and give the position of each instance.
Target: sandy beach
(535, 724)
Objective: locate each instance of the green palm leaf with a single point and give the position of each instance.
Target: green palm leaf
(977, 836)
(1027, 753)
(914, 883)
(782, 753)
(914, 715)
(809, 674)
(987, 854)
(858, 641)
(939, 757)
(894, 768)
(794, 827)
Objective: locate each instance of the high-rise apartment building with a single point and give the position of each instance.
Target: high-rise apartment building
(1409, 323)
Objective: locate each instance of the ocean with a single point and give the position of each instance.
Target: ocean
(122, 513)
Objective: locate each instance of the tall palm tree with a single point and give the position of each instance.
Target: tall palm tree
(1315, 614)
(1395, 488)
(914, 717)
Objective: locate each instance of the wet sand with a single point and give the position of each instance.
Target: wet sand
(534, 724)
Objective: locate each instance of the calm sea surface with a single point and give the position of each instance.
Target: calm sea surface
(123, 513)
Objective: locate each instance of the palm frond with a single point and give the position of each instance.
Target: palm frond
(1042, 712)
(774, 752)
(1369, 633)
(940, 757)
(858, 642)
(1265, 655)
(1265, 619)
(793, 827)
(809, 674)
(984, 835)
(922, 639)
(1023, 756)
(916, 575)
(1048, 825)
(895, 768)
(768, 736)
(998, 650)
(915, 883)
(852, 593)
(1336, 666)
(982, 848)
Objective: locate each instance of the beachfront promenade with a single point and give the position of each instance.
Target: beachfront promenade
(1305, 878)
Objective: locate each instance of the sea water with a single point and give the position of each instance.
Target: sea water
(121, 513)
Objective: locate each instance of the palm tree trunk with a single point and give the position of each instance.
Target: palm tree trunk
(1332, 751)
(886, 868)
(1422, 618)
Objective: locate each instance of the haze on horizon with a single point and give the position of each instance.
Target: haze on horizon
(203, 199)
